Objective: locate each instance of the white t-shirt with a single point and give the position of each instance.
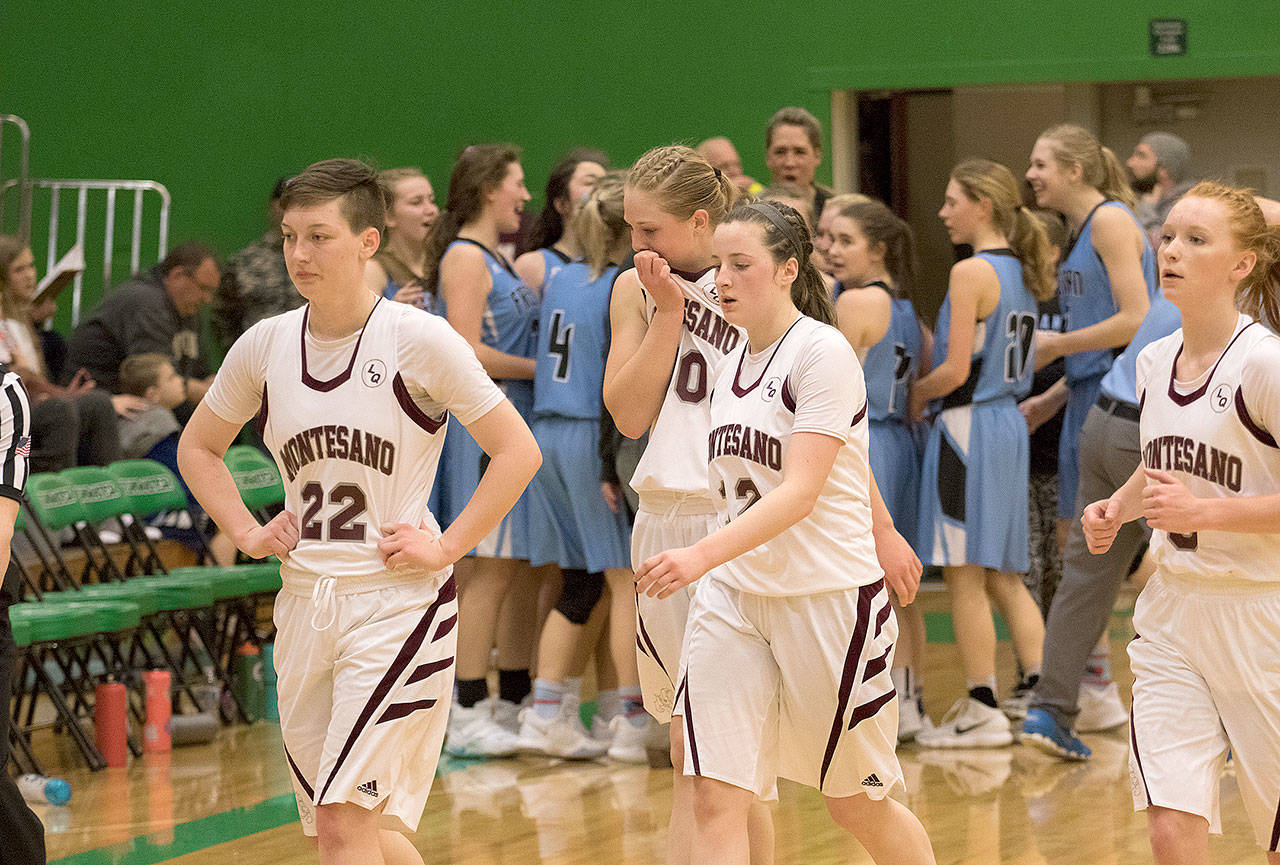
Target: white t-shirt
(355, 424)
(1217, 435)
(807, 381)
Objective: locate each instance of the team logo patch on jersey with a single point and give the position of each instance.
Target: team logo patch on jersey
(373, 373)
(1221, 400)
(771, 389)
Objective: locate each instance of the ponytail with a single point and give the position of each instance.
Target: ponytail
(1115, 180)
(599, 225)
(1030, 243)
(786, 235)
(1258, 294)
(444, 231)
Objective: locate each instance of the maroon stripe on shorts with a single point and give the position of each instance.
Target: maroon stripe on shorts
(868, 710)
(396, 711)
(688, 728)
(653, 650)
(445, 627)
(876, 666)
(426, 671)
(1137, 757)
(297, 773)
(1275, 832)
(882, 617)
(448, 592)
(847, 679)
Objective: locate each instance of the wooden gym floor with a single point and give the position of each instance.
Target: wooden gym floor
(231, 802)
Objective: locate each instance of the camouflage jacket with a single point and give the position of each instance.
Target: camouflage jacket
(255, 285)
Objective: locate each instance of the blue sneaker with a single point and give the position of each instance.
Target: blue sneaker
(1041, 731)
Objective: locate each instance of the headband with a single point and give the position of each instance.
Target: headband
(785, 227)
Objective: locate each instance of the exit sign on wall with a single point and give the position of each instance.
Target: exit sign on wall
(1168, 37)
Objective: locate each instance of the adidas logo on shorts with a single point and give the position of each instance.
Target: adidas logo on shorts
(370, 788)
(869, 781)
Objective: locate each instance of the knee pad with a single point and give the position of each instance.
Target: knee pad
(579, 594)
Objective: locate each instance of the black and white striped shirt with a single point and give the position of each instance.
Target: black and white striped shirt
(15, 436)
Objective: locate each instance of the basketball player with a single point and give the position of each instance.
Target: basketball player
(667, 335)
(551, 242)
(793, 566)
(571, 526)
(1105, 282)
(485, 301)
(350, 393)
(973, 501)
(395, 271)
(1206, 657)
(871, 254)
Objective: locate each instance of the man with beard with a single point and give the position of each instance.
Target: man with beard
(1158, 174)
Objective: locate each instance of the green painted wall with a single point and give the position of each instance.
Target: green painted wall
(216, 100)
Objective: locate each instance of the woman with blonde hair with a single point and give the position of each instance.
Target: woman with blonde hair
(396, 269)
(973, 502)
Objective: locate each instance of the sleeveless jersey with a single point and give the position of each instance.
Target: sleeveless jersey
(1217, 435)
(552, 260)
(509, 322)
(892, 363)
(573, 339)
(674, 460)
(1003, 343)
(355, 426)
(1084, 290)
(807, 381)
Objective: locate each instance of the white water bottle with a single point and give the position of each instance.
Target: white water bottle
(39, 790)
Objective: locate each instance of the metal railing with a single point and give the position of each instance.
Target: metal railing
(82, 188)
(24, 173)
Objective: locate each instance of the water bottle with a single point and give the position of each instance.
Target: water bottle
(39, 790)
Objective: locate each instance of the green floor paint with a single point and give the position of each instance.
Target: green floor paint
(193, 836)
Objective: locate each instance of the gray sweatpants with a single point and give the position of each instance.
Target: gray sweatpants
(1110, 450)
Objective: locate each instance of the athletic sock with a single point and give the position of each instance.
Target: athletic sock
(984, 695)
(1097, 670)
(633, 705)
(573, 685)
(514, 685)
(547, 697)
(471, 691)
(901, 678)
(609, 704)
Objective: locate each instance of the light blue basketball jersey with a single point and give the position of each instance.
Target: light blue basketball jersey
(1161, 320)
(892, 363)
(552, 260)
(573, 339)
(510, 321)
(1084, 292)
(1002, 363)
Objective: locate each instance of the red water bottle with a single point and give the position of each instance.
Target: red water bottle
(110, 723)
(155, 736)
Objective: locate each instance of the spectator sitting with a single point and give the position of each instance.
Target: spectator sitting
(73, 425)
(156, 310)
(793, 152)
(153, 434)
(721, 153)
(255, 284)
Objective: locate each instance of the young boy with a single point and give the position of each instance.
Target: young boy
(351, 394)
(151, 377)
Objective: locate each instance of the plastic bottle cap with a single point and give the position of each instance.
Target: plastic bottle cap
(57, 791)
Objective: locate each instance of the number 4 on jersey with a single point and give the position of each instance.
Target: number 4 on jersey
(561, 339)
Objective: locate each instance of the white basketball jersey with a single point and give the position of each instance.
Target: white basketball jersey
(1216, 435)
(356, 426)
(807, 381)
(673, 460)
